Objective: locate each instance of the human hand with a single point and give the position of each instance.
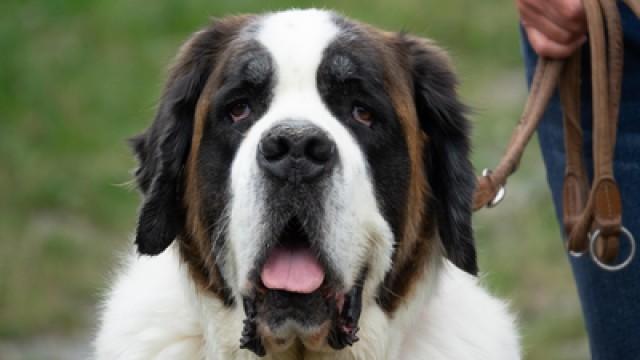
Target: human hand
(555, 28)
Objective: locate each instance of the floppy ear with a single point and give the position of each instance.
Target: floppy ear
(446, 154)
(163, 148)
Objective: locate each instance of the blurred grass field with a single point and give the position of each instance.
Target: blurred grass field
(79, 77)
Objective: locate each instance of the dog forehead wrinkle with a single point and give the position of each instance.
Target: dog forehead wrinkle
(258, 69)
(342, 67)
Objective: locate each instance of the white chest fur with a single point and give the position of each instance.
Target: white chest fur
(154, 312)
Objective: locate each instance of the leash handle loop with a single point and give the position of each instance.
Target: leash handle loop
(592, 217)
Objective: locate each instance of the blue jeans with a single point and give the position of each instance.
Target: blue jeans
(610, 300)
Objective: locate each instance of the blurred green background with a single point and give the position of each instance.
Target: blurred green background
(79, 77)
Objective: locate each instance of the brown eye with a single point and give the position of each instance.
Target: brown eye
(239, 110)
(361, 114)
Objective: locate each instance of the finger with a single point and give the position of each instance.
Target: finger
(546, 47)
(571, 14)
(568, 14)
(550, 29)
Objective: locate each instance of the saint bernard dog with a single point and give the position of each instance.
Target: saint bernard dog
(307, 195)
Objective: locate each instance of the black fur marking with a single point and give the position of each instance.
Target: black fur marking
(348, 78)
(451, 177)
(162, 150)
(250, 77)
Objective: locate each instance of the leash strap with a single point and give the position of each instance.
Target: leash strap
(492, 182)
(592, 217)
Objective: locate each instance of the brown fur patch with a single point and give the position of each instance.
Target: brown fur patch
(416, 244)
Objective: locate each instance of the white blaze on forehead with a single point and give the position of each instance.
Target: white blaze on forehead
(296, 40)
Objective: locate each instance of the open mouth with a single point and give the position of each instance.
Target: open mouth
(292, 265)
(293, 297)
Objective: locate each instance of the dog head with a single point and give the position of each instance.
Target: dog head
(307, 164)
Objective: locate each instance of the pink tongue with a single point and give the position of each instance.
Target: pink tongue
(294, 270)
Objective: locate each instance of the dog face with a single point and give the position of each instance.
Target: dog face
(308, 166)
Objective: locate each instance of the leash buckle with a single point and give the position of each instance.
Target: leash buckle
(499, 195)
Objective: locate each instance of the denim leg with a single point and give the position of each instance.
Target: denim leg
(610, 300)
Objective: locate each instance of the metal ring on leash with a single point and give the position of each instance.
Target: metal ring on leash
(620, 266)
(499, 195)
(578, 254)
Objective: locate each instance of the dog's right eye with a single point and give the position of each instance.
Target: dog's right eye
(239, 110)
(362, 115)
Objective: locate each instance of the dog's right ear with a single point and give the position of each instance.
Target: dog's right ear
(163, 148)
(442, 117)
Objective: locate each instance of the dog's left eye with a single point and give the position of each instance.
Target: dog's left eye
(239, 110)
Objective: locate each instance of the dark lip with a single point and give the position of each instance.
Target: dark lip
(344, 321)
(345, 326)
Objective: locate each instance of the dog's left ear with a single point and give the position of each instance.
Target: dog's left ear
(446, 153)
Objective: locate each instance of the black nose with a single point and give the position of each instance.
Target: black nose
(296, 151)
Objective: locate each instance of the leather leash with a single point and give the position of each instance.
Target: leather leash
(592, 215)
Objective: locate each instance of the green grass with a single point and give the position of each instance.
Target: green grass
(79, 77)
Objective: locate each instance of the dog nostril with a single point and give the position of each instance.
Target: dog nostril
(319, 150)
(274, 148)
